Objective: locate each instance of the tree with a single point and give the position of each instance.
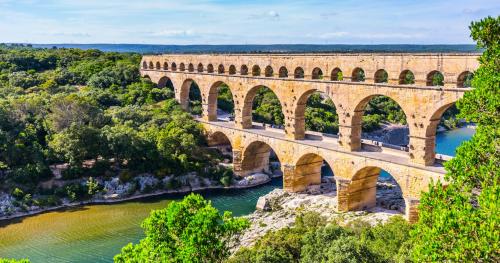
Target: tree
(191, 230)
(78, 143)
(4, 260)
(461, 222)
(74, 110)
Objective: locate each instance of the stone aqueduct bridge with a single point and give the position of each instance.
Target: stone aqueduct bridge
(293, 78)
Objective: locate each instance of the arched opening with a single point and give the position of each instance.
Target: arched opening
(256, 70)
(220, 69)
(319, 113)
(406, 78)
(244, 70)
(190, 97)
(210, 68)
(165, 66)
(371, 187)
(151, 66)
(358, 75)
(337, 74)
(262, 105)
(220, 142)
(266, 108)
(315, 173)
(165, 82)
(382, 120)
(298, 73)
(158, 65)
(269, 72)
(283, 72)
(317, 73)
(446, 132)
(435, 78)
(465, 79)
(191, 67)
(259, 158)
(381, 76)
(220, 102)
(145, 65)
(200, 67)
(232, 70)
(174, 66)
(182, 67)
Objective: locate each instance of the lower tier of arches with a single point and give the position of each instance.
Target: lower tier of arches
(356, 174)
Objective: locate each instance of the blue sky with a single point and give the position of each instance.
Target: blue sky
(242, 22)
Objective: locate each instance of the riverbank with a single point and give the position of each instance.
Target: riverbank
(279, 209)
(113, 198)
(398, 134)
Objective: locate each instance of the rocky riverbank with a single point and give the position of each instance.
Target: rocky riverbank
(115, 191)
(278, 209)
(395, 134)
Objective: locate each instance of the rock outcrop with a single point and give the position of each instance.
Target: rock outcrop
(279, 208)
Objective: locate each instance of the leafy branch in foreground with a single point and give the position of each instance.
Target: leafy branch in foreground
(191, 230)
(461, 222)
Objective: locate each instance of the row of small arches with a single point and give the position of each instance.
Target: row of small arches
(406, 77)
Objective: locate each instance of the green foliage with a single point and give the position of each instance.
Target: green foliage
(437, 79)
(195, 99)
(461, 222)
(93, 186)
(267, 107)
(225, 99)
(18, 193)
(408, 78)
(4, 260)
(312, 240)
(91, 110)
(321, 114)
(191, 230)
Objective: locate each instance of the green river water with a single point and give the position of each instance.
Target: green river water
(95, 233)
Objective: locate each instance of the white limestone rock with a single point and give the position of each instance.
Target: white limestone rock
(254, 179)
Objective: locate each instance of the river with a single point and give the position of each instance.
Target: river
(95, 233)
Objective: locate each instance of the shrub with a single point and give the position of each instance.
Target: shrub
(125, 176)
(191, 230)
(18, 193)
(5, 260)
(73, 172)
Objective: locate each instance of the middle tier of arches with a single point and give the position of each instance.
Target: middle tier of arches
(423, 107)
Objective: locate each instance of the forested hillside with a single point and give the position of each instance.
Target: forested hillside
(93, 112)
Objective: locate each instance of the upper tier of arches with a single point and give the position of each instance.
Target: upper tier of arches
(415, 72)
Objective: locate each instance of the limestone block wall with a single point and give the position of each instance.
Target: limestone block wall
(423, 106)
(322, 66)
(356, 174)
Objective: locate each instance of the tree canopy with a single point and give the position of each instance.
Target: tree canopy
(461, 222)
(191, 230)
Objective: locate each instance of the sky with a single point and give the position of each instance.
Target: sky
(184, 22)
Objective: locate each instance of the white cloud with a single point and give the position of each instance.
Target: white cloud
(267, 15)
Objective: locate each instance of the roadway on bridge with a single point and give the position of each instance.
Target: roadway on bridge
(331, 143)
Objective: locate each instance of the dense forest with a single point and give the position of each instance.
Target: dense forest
(93, 112)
